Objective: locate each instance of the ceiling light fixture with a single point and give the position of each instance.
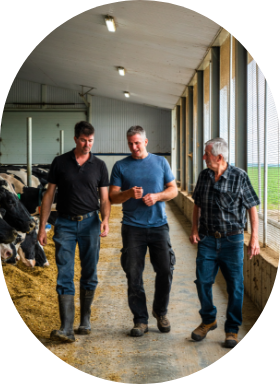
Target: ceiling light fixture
(110, 22)
(127, 94)
(121, 71)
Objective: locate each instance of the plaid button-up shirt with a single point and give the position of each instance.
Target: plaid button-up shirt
(224, 203)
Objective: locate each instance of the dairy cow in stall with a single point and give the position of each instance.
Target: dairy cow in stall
(9, 239)
(30, 197)
(16, 214)
(29, 251)
(7, 233)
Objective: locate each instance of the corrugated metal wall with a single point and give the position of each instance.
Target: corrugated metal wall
(112, 118)
(23, 91)
(45, 135)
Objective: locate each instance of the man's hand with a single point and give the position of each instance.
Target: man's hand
(136, 192)
(253, 248)
(194, 238)
(42, 237)
(104, 228)
(150, 199)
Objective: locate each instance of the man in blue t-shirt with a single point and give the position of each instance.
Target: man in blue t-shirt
(142, 182)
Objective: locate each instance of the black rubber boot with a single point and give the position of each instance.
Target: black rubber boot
(86, 298)
(67, 313)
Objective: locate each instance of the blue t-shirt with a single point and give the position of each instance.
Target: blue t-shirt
(150, 173)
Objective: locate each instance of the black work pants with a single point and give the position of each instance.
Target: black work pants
(135, 243)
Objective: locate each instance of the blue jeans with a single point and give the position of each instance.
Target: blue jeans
(135, 243)
(67, 234)
(225, 253)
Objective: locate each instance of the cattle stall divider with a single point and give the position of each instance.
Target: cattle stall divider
(29, 151)
(61, 142)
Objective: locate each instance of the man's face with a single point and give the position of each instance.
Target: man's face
(210, 160)
(137, 145)
(84, 143)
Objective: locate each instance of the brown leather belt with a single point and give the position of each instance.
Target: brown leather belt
(218, 235)
(77, 217)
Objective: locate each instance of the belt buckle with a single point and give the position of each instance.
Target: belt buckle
(79, 218)
(217, 235)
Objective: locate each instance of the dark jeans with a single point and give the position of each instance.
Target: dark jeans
(135, 243)
(67, 234)
(225, 253)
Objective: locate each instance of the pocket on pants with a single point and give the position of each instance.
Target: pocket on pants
(236, 239)
(202, 237)
(172, 255)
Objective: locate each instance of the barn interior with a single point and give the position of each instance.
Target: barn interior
(185, 80)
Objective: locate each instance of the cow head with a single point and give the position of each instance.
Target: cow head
(16, 215)
(7, 233)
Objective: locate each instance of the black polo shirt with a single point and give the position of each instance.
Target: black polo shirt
(77, 185)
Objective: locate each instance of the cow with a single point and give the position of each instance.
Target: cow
(7, 233)
(16, 214)
(9, 252)
(30, 197)
(30, 251)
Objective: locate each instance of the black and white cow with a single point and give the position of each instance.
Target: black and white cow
(7, 233)
(30, 197)
(9, 252)
(30, 251)
(16, 214)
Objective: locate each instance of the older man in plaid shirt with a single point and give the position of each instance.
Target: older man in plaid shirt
(222, 196)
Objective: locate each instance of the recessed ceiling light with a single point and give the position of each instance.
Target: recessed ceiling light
(127, 94)
(121, 71)
(110, 22)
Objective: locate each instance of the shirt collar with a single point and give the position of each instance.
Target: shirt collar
(224, 175)
(90, 160)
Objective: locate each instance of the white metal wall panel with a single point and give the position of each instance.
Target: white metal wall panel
(112, 118)
(23, 91)
(45, 132)
(61, 95)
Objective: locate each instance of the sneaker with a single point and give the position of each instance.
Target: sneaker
(163, 323)
(139, 329)
(201, 331)
(231, 340)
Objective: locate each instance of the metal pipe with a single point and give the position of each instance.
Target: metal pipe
(43, 104)
(259, 140)
(29, 150)
(210, 99)
(61, 150)
(265, 169)
(229, 99)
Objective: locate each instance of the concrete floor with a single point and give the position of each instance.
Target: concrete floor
(110, 353)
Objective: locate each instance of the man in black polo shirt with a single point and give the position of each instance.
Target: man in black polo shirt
(78, 176)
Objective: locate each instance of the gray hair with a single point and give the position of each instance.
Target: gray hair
(219, 147)
(136, 130)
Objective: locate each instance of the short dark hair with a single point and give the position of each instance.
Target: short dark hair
(83, 128)
(136, 130)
